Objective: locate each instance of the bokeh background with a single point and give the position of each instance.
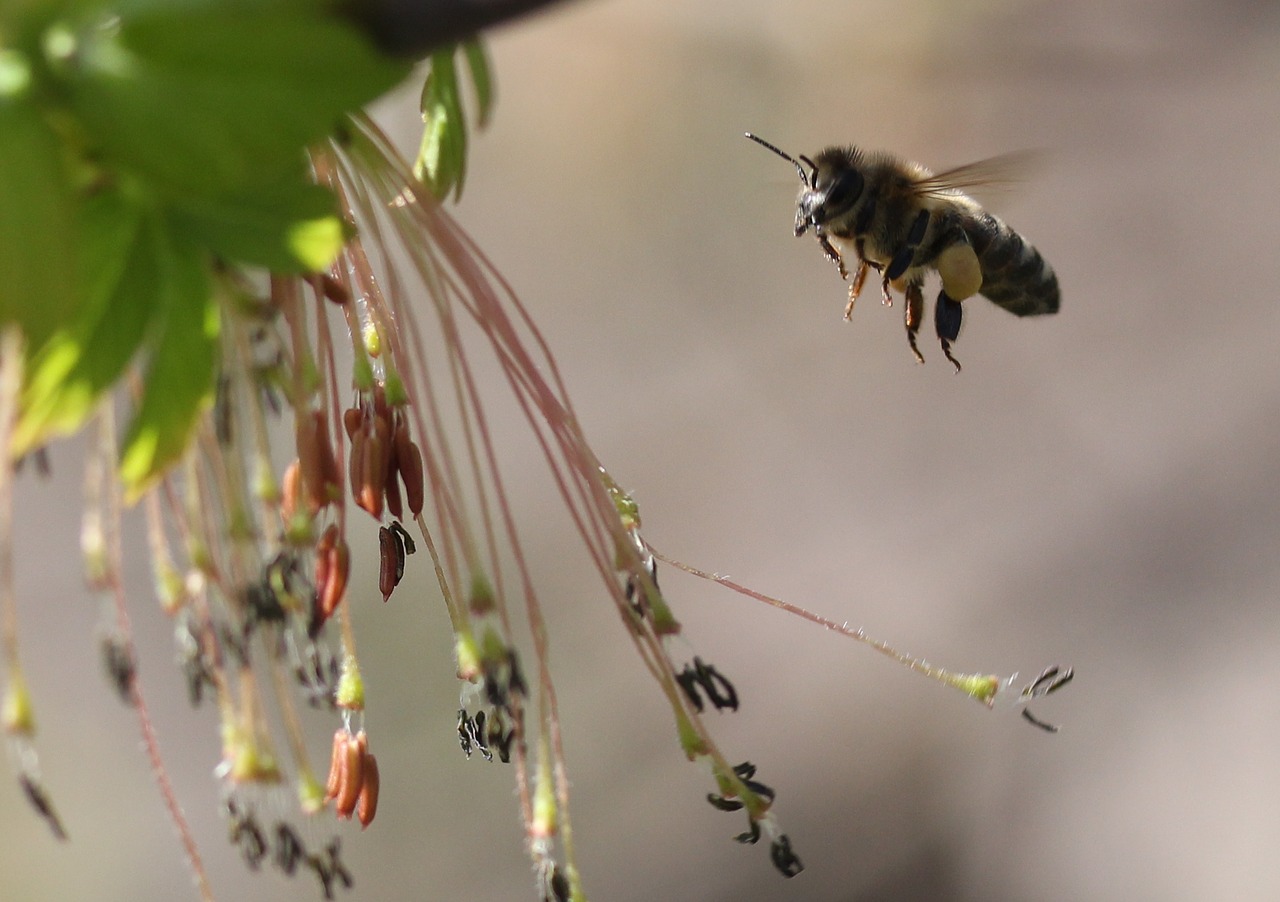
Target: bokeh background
(1096, 489)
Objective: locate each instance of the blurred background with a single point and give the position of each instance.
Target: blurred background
(1096, 489)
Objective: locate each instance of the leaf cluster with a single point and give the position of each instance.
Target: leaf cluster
(145, 147)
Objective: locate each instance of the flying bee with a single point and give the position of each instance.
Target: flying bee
(901, 219)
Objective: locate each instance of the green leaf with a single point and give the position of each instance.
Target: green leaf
(219, 94)
(37, 215)
(181, 373)
(115, 275)
(288, 226)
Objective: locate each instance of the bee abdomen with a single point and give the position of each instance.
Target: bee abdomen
(1014, 275)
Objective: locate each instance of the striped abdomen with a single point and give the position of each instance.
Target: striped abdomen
(1014, 275)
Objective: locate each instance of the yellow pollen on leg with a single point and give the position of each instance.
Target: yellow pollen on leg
(960, 272)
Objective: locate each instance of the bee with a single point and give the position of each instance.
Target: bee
(901, 219)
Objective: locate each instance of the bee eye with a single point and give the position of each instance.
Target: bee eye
(843, 191)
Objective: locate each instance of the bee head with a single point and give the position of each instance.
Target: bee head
(835, 183)
(831, 186)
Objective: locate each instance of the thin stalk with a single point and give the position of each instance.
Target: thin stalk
(106, 448)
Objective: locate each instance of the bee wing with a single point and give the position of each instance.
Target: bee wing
(993, 172)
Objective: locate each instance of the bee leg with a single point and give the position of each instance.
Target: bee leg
(902, 260)
(832, 254)
(855, 288)
(905, 255)
(913, 315)
(947, 314)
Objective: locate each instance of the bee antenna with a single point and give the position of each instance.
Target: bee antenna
(804, 176)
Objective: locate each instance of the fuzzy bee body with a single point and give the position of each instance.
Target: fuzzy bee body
(902, 220)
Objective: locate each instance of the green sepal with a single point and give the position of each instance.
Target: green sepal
(442, 158)
(481, 80)
(349, 693)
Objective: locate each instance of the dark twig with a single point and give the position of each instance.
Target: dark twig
(413, 28)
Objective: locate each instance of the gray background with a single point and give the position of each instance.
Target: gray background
(1097, 488)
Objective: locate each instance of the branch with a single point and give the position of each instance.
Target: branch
(415, 27)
